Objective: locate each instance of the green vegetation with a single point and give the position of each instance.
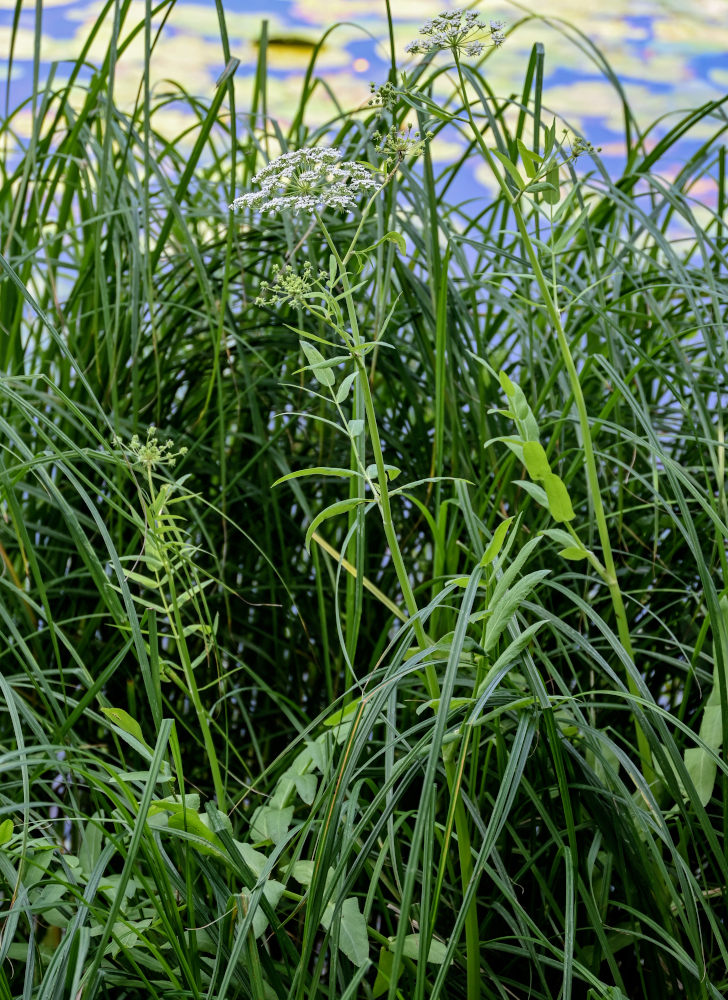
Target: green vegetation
(364, 568)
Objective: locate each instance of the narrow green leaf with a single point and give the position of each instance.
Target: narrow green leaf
(319, 470)
(391, 237)
(531, 160)
(511, 169)
(320, 367)
(496, 542)
(125, 722)
(507, 604)
(340, 507)
(552, 196)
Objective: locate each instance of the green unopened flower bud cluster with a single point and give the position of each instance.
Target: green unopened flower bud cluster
(385, 96)
(289, 285)
(396, 144)
(580, 146)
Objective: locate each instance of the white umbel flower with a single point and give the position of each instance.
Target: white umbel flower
(458, 30)
(308, 180)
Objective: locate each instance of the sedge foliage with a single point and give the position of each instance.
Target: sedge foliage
(442, 712)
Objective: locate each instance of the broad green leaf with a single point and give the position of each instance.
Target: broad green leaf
(271, 824)
(272, 891)
(355, 427)
(573, 553)
(507, 385)
(306, 785)
(535, 460)
(434, 704)
(319, 751)
(384, 973)
(391, 470)
(303, 871)
(558, 498)
(538, 493)
(6, 831)
(90, 849)
(175, 803)
(558, 535)
(343, 715)
(522, 412)
(435, 954)
(353, 936)
(343, 391)
(700, 764)
(285, 787)
(255, 860)
(200, 836)
(572, 549)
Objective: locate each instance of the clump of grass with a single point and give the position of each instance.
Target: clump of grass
(363, 572)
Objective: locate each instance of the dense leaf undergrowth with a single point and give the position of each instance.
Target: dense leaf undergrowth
(363, 572)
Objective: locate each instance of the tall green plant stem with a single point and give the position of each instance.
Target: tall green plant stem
(472, 935)
(172, 611)
(609, 575)
(383, 500)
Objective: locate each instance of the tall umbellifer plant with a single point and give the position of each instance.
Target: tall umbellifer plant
(466, 654)
(518, 792)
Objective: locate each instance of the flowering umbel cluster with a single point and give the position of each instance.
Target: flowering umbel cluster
(458, 30)
(150, 453)
(308, 180)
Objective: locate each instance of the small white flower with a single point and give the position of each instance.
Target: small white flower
(497, 35)
(308, 180)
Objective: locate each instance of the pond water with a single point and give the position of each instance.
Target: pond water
(669, 56)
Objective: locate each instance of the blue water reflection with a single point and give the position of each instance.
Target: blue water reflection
(668, 57)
